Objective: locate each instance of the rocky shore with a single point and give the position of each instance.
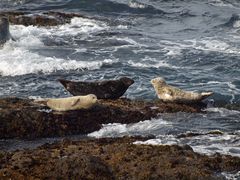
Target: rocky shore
(24, 118)
(106, 158)
(113, 159)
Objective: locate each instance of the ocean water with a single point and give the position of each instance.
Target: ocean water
(194, 45)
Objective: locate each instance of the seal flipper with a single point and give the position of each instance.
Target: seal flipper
(75, 101)
(206, 94)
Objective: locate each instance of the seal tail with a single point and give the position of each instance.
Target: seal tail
(206, 94)
(41, 101)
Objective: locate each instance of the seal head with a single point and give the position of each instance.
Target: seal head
(127, 81)
(159, 81)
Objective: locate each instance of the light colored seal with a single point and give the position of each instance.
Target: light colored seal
(169, 93)
(4, 30)
(72, 103)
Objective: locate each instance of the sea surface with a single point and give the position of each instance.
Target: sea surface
(194, 45)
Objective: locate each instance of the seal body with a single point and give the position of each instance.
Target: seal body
(4, 30)
(108, 89)
(169, 93)
(72, 103)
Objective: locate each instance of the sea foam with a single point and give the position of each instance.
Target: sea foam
(19, 58)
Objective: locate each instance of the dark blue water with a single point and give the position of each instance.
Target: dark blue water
(194, 45)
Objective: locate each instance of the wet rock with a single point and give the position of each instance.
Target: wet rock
(113, 159)
(193, 134)
(39, 19)
(23, 118)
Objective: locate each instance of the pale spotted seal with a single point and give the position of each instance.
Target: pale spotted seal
(72, 103)
(169, 93)
(108, 89)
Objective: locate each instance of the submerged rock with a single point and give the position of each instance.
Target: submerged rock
(24, 118)
(113, 159)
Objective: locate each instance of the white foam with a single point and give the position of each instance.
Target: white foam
(147, 65)
(213, 45)
(204, 144)
(208, 44)
(19, 61)
(231, 176)
(13, 2)
(236, 24)
(130, 41)
(220, 3)
(80, 25)
(223, 112)
(170, 141)
(136, 5)
(122, 27)
(77, 26)
(118, 130)
(17, 57)
(149, 62)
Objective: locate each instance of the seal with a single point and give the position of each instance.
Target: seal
(108, 89)
(169, 93)
(72, 103)
(4, 30)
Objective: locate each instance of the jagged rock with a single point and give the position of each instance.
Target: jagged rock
(41, 19)
(113, 159)
(23, 118)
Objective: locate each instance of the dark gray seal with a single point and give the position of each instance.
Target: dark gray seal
(4, 30)
(108, 89)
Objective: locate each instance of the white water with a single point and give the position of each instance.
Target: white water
(206, 142)
(18, 58)
(118, 130)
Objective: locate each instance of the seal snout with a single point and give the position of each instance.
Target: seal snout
(158, 80)
(127, 81)
(93, 97)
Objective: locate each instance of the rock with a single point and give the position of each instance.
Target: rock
(110, 158)
(23, 118)
(4, 30)
(39, 19)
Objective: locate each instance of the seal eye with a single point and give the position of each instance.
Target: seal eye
(153, 81)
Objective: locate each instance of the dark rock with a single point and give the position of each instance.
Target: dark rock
(193, 134)
(108, 89)
(40, 19)
(4, 30)
(113, 159)
(23, 118)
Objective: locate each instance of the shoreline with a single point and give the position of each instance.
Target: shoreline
(26, 119)
(114, 158)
